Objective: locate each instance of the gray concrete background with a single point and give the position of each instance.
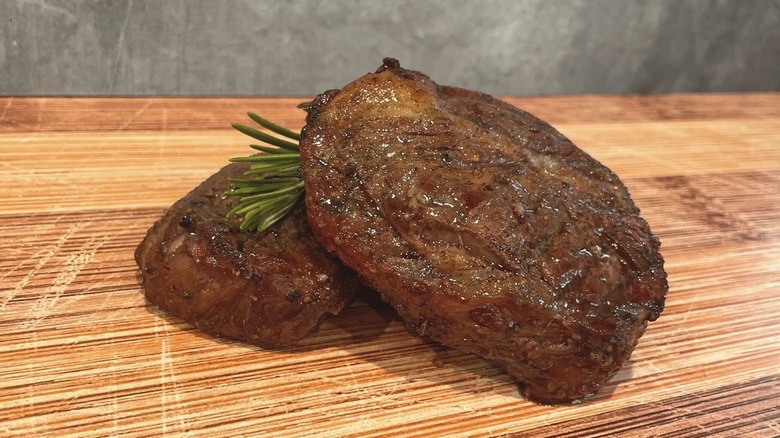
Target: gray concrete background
(298, 47)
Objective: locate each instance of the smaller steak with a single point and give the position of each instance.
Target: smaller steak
(269, 289)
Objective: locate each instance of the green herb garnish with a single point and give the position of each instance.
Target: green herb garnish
(274, 182)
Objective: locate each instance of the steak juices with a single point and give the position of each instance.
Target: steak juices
(484, 227)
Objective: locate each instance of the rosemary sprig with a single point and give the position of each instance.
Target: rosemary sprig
(273, 185)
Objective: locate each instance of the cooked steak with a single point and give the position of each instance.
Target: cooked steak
(484, 227)
(269, 289)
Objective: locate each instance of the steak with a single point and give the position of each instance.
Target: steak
(484, 227)
(269, 289)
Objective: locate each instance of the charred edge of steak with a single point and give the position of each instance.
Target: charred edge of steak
(484, 227)
(269, 289)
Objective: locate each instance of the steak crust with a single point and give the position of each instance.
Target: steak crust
(484, 227)
(269, 289)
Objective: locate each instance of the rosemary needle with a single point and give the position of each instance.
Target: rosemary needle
(273, 127)
(273, 185)
(270, 139)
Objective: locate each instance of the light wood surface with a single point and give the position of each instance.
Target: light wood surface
(82, 354)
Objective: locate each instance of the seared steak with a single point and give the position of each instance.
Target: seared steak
(269, 289)
(484, 227)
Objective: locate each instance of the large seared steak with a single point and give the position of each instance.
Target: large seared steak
(484, 227)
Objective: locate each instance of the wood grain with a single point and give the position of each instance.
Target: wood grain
(84, 355)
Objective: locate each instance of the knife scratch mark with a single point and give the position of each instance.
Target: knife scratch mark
(32, 242)
(43, 257)
(23, 174)
(107, 309)
(165, 121)
(168, 379)
(353, 385)
(33, 421)
(677, 411)
(682, 325)
(164, 137)
(75, 263)
(136, 115)
(39, 113)
(163, 380)
(114, 397)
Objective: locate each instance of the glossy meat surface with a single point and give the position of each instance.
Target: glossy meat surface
(269, 289)
(484, 227)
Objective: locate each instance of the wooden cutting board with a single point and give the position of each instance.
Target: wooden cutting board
(81, 353)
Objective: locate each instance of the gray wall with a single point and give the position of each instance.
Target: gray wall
(297, 47)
